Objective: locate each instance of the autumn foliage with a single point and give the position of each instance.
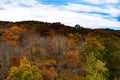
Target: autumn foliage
(25, 72)
(11, 35)
(33, 50)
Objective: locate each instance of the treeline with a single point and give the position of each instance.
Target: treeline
(33, 50)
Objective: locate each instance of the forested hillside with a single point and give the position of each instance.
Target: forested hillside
(33, 50)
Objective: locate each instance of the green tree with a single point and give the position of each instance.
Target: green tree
(93, 51)
(112, 57)
(92, 45)
(95, 69)
(25, 71)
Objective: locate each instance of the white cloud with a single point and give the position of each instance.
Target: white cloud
(64, 14)
(89, 8)
(101, 1)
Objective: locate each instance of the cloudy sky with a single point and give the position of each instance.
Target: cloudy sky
(87, 13)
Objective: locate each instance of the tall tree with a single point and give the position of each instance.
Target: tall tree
(92, 45)
(57, 46)
(95, 69)
(93, 51)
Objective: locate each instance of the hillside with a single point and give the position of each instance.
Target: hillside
(58, 52)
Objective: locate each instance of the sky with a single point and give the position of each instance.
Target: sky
(87, 13)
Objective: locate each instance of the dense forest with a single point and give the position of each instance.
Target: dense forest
(34, 50)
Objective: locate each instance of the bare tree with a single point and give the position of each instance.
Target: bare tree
(57, 45)
(5, 53)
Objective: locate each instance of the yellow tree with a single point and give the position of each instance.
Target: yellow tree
(25, 71)
(92, 45)
(95, 69)
(93, 51)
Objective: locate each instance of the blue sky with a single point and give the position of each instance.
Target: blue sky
(87, 13)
